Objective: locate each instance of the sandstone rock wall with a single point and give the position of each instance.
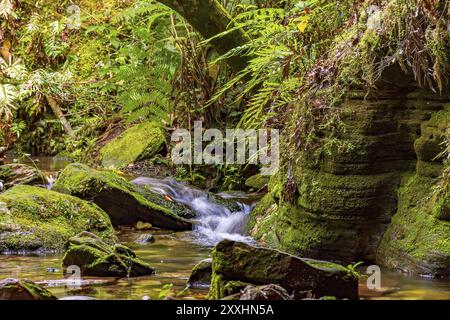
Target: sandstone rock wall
(344, 204)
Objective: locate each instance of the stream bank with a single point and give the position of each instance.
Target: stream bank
(174, 254)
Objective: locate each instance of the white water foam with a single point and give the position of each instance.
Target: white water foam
(215, 221)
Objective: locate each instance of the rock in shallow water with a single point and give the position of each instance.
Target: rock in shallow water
(236, 265)
(145, 238)
(200, 277)
(96, 258)
(16, 289)
(125, 203)
(36, 219)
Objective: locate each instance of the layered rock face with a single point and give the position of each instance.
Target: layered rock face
(344, 204)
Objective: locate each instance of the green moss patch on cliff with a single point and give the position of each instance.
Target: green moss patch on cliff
(139, 142)
(36, 219)
(417, 240)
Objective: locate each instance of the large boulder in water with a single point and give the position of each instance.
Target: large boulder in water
(139, 142)
(16, 289)
(37, 219)
(125, 203)
(94, 257)
(17, 174)
(236, 265)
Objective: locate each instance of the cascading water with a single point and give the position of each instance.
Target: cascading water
(215, 221)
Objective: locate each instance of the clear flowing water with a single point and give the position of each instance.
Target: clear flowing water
(174, 254)
(214, 221)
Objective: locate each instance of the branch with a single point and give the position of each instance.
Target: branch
(210, 18)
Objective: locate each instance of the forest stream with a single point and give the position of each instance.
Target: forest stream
(174, 254)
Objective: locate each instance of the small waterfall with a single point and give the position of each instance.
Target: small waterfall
(215, 220)
(50, 180)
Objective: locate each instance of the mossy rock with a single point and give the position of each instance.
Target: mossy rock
(418, 239)
(236, 265)
(18, 174)
(431, 142)
(125, 203)
(137, 143)
(200, 277)
(257, 181)
(37, 219)
(16, 289)
(94, 257)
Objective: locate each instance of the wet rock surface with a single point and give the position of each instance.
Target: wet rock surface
(200, 277)
(20, 174)
(17, 289)
(236, 265)
(125, 203)
(96, 258)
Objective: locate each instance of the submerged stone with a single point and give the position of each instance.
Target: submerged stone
(137, 143)
(94, 257)
(16, 289)
(37, 219)
(236, 265)
(145, 238)
(125, 203)
(267, 292)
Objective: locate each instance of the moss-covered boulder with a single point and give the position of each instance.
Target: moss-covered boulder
(236, 265)
(16, 289)
(17, 174)
(125, 203)
(200, 277)
(36, 219)
(139, 142)
(95, 257)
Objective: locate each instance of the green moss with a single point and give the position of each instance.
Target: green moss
(221, 288)
(33, 218)
(257, 181)
(139, 142)
(97, 185)
(416, 240)
(6, 173)
(83, 181)
(15, 289)
(97, 258)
